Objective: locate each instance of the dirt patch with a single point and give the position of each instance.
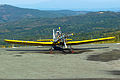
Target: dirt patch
(22, 53)
(17, 55)
(115, 72)
(105, 57)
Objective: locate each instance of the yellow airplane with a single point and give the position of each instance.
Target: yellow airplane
(59, 41)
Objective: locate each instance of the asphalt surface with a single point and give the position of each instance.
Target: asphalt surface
(37, 63)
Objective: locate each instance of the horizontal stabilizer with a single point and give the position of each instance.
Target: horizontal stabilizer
(45, 40)
(51, 40)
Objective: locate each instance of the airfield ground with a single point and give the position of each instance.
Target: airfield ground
(89, 61)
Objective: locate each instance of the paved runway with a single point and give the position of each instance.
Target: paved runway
(37, 63)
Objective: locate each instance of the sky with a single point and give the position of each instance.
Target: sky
(63, 4)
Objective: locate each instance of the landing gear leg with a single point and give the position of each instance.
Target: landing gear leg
(71, 49)
(51, 52)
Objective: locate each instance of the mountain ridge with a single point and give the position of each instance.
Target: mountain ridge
(12, 13)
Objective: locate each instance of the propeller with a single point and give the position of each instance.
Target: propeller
(62, 37)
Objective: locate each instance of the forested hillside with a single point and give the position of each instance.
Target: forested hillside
(12, 13)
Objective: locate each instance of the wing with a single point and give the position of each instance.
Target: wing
(33, 43)
(88, 41)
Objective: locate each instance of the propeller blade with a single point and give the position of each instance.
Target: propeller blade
(65, 44)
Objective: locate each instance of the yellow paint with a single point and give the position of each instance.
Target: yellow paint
(59, 27)
(45, 40)
(51, 40)
(92, 40)
(69, 39)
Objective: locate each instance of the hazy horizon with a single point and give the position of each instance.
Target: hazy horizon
(64, 4)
